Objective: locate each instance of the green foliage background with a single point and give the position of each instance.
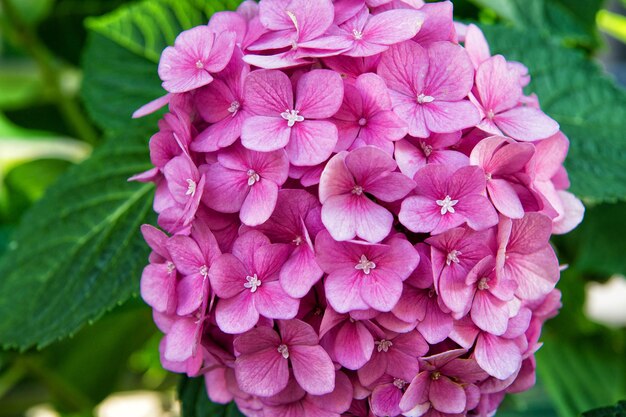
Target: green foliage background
(71, 74)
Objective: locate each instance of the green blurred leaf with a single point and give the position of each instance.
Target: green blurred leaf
(571, 21)
(78, 252)
(33, 178)
(590, 108)
(32, 11)
(618, 411)
(195, 402)
(20, 84)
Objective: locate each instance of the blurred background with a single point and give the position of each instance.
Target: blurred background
(69, 80)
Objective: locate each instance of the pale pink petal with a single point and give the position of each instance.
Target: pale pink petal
(181, 340)
(312, 142)
(498, 87)
(438, 25)
(268, 92)
(526, 124)
(227, 275)
(348, 216)
(393, 26)
(272, 302)
(238, 314)
(498, 357)
(447, 116)
(368, 163)
(221, 52)
(417, 393)
(409, 158)
(450, 74)
(265, 133)
(536, 274)
(336, 178)
(476, 45)
(404, 67)
(447, 396)
(343, 292)
(259, 204)
(263, 373)
(478, 211)
(313, 369)
(504, 198)
(190, 292)
(300, 272)
(381, 289)
(390, 187)
(226, 189)
(420, 214)
(489, 313)
(572, 216)
(319, 94)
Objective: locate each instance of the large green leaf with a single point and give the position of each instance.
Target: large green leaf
(571, 21)
(618, 411)
(77, 252)
(590, 108)
(195, 403)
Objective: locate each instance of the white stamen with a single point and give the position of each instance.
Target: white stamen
(453, 256)
(358, 190)
(358, 35)
(399, 383)
(284, 350)
(427, 149)
(365, 265)
(483, 284)
(292, 117)
(253, 177)
(199, 64)
(204, 271)
(491, 114)
(383, 345)
(297, 240)
(488, 176)
(170, 267)
(234, 107)
(447, 205)
(294, 19)
(362, 121)
(252, 282)
(191, 190)
(421, 99)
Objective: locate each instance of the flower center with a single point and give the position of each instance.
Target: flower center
(191, 189)
(283, 350)
(170, 267)
(435, 375)
(292, 117)
(453, 256)
(234, 107)
(383, 345)
(358, 190)
(431, 293)
(488, 176)
(422, 98)
(252, 282)
(199, 64)
(399, 383)
(297, 241)
(427, 149)
(365, 265)
(204, 271)
(447, 205)
(362, 121)
(491, 114)
(483, 284)
(358, 35)
(253, 177)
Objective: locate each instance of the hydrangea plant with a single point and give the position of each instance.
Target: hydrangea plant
(356, 201)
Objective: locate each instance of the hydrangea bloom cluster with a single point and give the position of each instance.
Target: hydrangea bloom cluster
(356, 201)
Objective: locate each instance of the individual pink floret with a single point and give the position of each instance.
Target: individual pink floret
(428, 86)
(196, 54)
(413, 154)
(247, 182)
(346, 184)
(300, 128)
(246, 281)
(263, 365)
(448, 198)
(362, 276)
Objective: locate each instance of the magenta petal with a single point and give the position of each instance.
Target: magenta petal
(420, 214)
(268, 92)
(536, 274)
(226, 190)
(158, 287)
(526, 124)
(505, 199)
(236, 315)
(319, 94)
(448, 116)
(394, 26)
(181, 340)
(498, 357)
(227, 276)
(312, 142)
(381, 290)
(447, 396)
(259, 204)
(390, 187)
(450, 74)
(265, 133)
(190, 291)
(385, 400)
(336, 178)
(264, 373)
(489, 313)
(478, 210)
(313, 369)
(416, 394)
(344, 292)
(354, 345)
(498, 87)
(272, 302)
(404, 67)
(300, 272)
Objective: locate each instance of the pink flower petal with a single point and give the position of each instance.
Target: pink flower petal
(319, 94)
(313, 369)
(272, 302)
(343, 292)
(526, 124)
(447, 396)
(264, 373)
(392, 27)
(450, 74)
(498, 87)
(447, 116)
(348, 216)
(300, 272)
(354, 345)
(259, 204)
(265, 133)
(499, 357)
(237, 314)
(381, 290)
(312, 142)
(268, 92)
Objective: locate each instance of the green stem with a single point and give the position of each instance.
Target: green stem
(69, 108)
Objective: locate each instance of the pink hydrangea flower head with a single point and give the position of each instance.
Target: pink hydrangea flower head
(346, 183)
(428, 86)
(298, 127)
(196, 54)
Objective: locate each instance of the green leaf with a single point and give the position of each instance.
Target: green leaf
(570, 21)
(20, 84)
(195, 402)
(618, 411)
(590, 108)
(77, 253)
